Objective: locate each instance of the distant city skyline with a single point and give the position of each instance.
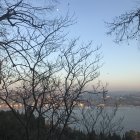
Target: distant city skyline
(121, 69)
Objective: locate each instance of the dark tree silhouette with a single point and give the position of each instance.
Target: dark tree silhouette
(126, 26)
(101, 120)
(42, 73)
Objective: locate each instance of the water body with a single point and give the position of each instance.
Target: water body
(131, 115)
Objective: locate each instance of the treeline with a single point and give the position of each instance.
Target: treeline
(11, 129)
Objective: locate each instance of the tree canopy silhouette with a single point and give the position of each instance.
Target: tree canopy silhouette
(126, 26)
(42, 72)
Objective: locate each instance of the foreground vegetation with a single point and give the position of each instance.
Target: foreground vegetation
(11, 129)
(46, 73)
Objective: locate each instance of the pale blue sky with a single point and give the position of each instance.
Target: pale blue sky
(122, 61)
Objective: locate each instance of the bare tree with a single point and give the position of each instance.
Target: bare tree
(42, 73)
(26, 42)
(126, 26)
(103, 120)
